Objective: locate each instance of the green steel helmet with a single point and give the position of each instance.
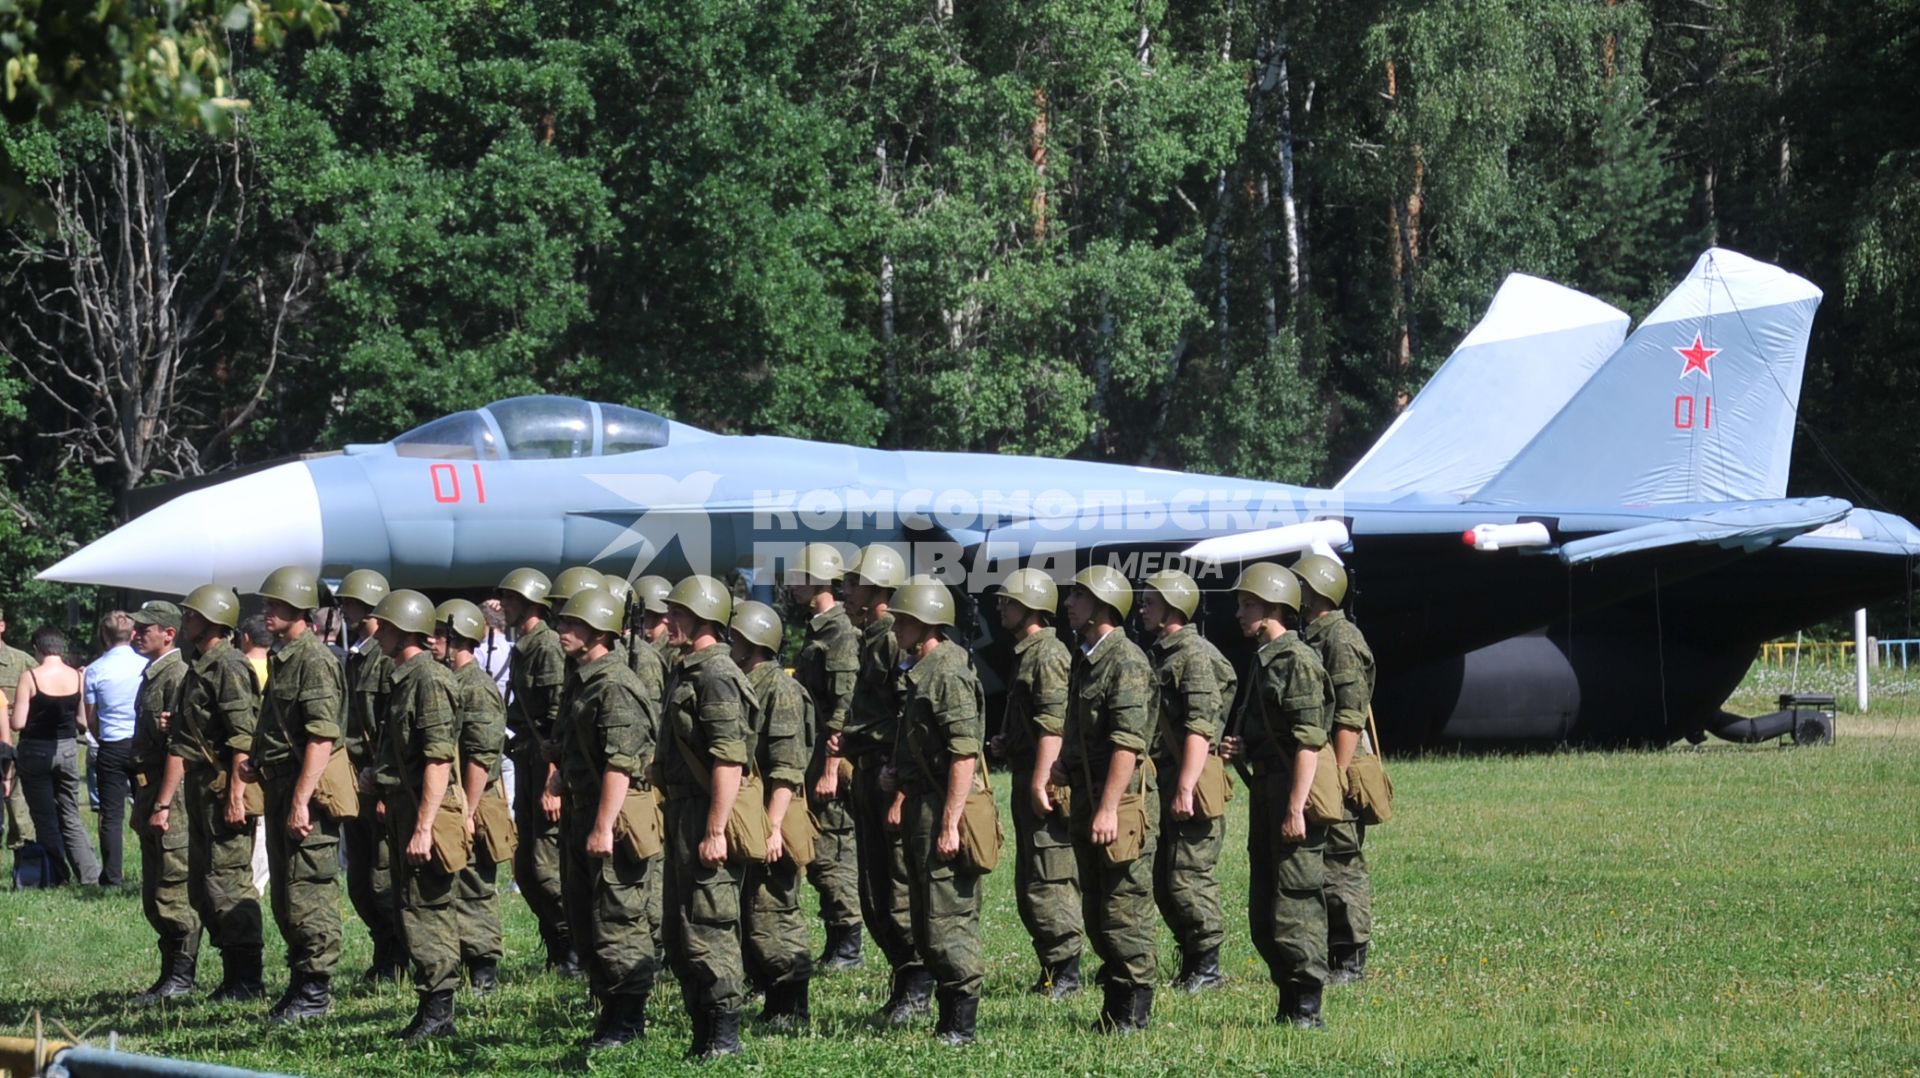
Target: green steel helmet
(1178, 589)
(572, 582)
(1270, 583)
(820, 562)
(219, 605)
(1322, 576)
(1032, 589)
(880, 565)
(1107, 585)
(462, 619)
(298, 588)
(757, 623)
(529, 584)
(651, 593)
(597, 609)
(363, 585)
(706, 597)
(616, 586)
(406, 610)
(925, 600)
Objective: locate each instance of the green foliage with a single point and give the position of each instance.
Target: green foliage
(1057, 229)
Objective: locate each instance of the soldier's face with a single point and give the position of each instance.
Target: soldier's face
(513, 607)
(681, 625)
(1153, 611)
(1250, 612)
(279, 616)
(741, 651)
(654, 625)
(1080, 607)
(389, 638)
(152, 640)
(1012, 614)
(908, 632)
(437, 643)
(575, 636)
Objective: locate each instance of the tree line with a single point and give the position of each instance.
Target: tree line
(1227, 236)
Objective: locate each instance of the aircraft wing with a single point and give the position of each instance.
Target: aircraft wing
(1748, 527)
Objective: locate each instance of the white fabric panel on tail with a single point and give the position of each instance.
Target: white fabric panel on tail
(1537, 345)
(1697, 406)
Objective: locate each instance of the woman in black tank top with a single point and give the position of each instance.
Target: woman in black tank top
(49, 764)
(50, 718)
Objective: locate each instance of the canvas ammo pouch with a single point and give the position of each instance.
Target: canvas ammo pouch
(747, 824)
(798, 830)
(639, 831)
(338, 794)
(1326, 801)
(1213, 791)
(493, 828)
(1369, 789)
(452, 846)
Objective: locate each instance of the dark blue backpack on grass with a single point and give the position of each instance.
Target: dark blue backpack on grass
(32, 867)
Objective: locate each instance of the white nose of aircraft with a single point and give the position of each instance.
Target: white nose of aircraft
(232, 533)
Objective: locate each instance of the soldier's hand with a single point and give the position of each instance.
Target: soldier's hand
(1057, 774)
(420, 847)
(1229, 747)
(1106, 827)
(299, 821)
(468, 820)
(833, 743)
(895, 810)
(550, 806)
(997, 748)
(600, 843)
(380, 811)
(713, 849)
(165, 718)
(367, 785)
(1042, 800)
(776, 845)
(947, 846)
(1183, 803)
(827, 786)
(249, 770)
(1294, 827)
(157, 823)
(236, 814)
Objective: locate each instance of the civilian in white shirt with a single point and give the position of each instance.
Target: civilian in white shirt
(108, 688)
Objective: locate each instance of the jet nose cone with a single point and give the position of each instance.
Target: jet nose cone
(234, 533)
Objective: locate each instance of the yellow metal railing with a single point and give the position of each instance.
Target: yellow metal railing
(1810, 652)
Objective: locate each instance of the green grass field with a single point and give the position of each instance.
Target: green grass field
(1744, 910)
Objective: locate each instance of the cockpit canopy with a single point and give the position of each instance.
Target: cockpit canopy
(535, 428)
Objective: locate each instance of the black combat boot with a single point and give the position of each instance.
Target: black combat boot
(1066, 978)
(622, 1019)
(786, 1007)
(842, 951)
(1203, 971)
(312, 998)
(483, 975)
(1348, 962)
(294, 980)
(958, 1016)
(240, 978)
(1140, 1006)
(702, 1033)
(1116, 1009)
(177, 969)
(389, 963)
(564, 960)
(912, 992)
(432, 1018)
(1300, 1007)
(723, 1035)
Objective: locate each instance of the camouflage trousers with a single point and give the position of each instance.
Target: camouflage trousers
(1116, 903)
(702, 915)
(1184, 886)
(476, 904)
(773, 932)
(428, 924)
(1286, 909)
(608, 901)
(1046, 881)
(220, 869)
(835, 869)
(536, 861)
(1349, 886)
(164, 875)
(883, 865)
(302, 887)
(945, 899)
(369, 858)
